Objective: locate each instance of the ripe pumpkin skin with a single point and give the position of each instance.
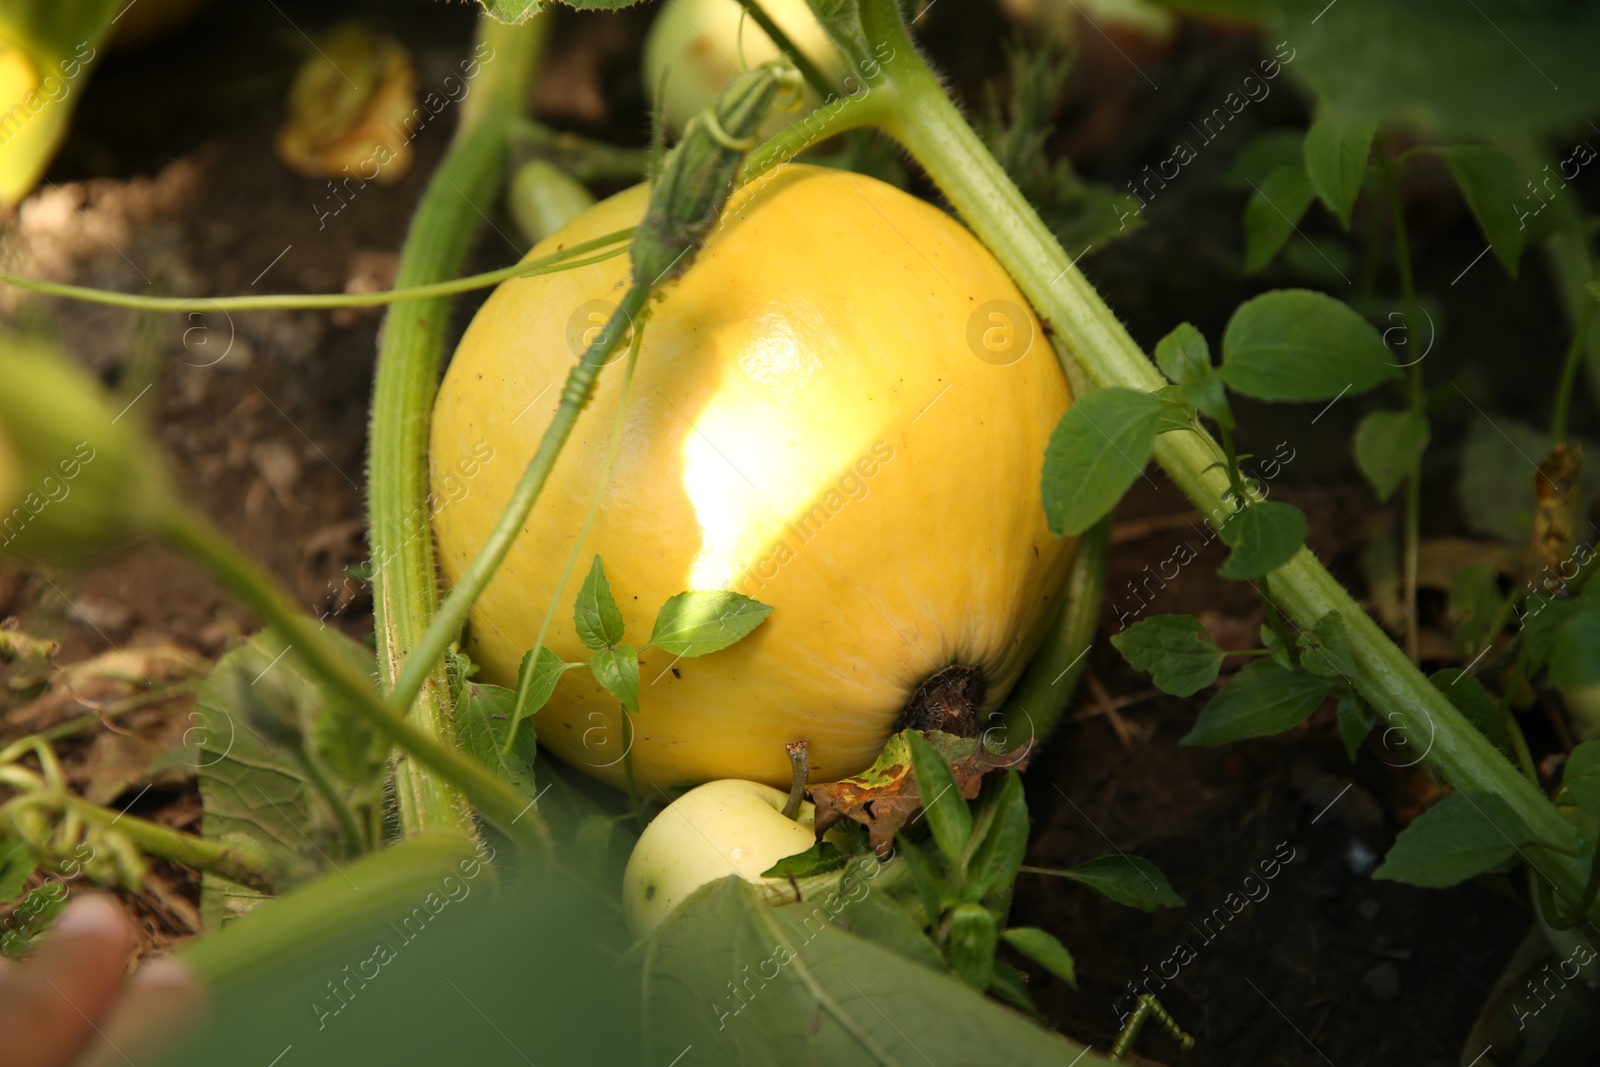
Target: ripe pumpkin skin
(807, 425)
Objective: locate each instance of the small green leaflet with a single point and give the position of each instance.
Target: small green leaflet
(1264, 536)
(1260, 700)
(1336, 161)
(536, 680)
(1185, 358)
(1461, 836)
(1388, 446)
(1473, 700)
(483, 722)
(1100, 446)
(1575, 655)
(1295, 344)
(16, 866)
(1042, 948)
(1175, 649)
(926, 880)
(618, 670)
(1493, 188)
(971, 944)
(1582, 776)
(997, 858)
(1272, 214)
(1132, 881)
(1265, 153)
(1356, 719)
(820, 858)
(596, 615)
(1325, 649)
(948, 815)
(696, 623)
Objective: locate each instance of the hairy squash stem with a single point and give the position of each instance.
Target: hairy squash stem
(919, 115)
(194, 535)
(405, 590)
(565, 260)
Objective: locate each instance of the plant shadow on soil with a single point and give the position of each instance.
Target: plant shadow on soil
(1326, 965)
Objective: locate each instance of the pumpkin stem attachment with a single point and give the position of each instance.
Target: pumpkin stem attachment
(948, 701)
(800, 761)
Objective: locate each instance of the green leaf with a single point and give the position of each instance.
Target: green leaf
(879, 919)
(16, 867)
(1497, 66)
(694, 624)
(1100, 446)
(596, 615)
(1336, 161)
(1042, 948)
(926, 880)
(250, 788)
(1575, 655)
(820, 858)
(1294, 344)
(1264, 536)
(998, 856)
(1474, 701)
(618, 670)
(536, 680)
(1185, 358)
(1260, 700)
(971, 945)
(1272, 213)
(826, 996)
(1176, 650)
(1461, 836)
(1265, 153)
(1356, 719)
(1493, 188)
(515, 12)
(1388, 445)
(1582, 776)
(483, 721)
(1542, 626)
(948, 815)
(1131, 881)
(1325, 649)
(1010, 986)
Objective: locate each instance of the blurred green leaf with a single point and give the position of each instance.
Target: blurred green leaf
(971, 943)
(1265, 153)
(1493, 188)
(1336, 151)
(1498, 464)
(1582, 776)
(1272, 213)
(1042, 948)
(1388, 445)
(1176, 650)
(1575, 656)
(1295, 344)
(1262, 699)
(1356, 719)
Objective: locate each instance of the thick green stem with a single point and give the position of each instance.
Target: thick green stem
(575, 395)
(195, 537)
(924, 120)
(405, 590)
(1412, 539)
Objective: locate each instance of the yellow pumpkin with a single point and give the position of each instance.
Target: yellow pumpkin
(841, 410)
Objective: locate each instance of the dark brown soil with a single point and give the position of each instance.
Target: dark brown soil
(169, 177)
